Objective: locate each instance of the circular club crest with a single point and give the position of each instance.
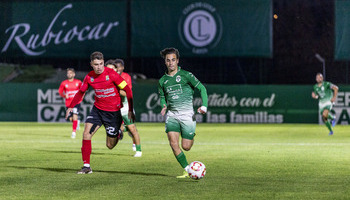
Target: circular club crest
(178, 78)
(200, 27)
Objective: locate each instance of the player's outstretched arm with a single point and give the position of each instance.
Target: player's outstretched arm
(131, 116)
(129, 96)
(335, 93)
(163, 111)
(162, 99)
(61, 91)
(204, 96)
(68, 111)
(77, 98)
(122, 93)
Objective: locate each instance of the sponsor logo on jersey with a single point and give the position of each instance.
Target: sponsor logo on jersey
(178, 78)
(76, 84)
(92, 79)
(107, 78)
(200, 27)
(66, 85)
(322, 88)
(165, 82)
(174, 89)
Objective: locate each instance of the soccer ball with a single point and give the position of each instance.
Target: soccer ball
(197, 170)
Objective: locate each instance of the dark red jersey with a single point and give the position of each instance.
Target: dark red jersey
(70, 88)
(106, 86)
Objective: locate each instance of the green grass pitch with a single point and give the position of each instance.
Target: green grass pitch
(291, 161)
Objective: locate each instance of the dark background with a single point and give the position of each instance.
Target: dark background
(302, 29)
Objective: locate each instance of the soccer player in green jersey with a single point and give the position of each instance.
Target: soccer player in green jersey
(176, 90)
(326, 93)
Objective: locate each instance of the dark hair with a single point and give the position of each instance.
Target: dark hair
(70, 69)
(96, 56)
(111, 62)
(170, 50)
(116, 61)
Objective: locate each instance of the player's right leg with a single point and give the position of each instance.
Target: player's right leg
(125, 127)
(332, 117)
(172, 128)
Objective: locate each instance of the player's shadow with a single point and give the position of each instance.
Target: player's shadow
(65, 170)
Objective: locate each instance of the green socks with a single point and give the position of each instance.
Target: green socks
(331, 117)
(181, 158)
(138, 147)
(329, 126)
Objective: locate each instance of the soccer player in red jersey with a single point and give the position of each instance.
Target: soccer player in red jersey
(67, 90)
(106, 110)
(118, 66)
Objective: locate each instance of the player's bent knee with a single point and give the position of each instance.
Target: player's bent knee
(186, 148)
(110, 146)
(132, 128)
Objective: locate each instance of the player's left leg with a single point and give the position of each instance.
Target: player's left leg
(173, 138)
(325, 114)
(332, 117)
(75, 124)
(133, 133)
(136, 139)
(188, 129)
(112, 122)
(112, 141)
(75, 120)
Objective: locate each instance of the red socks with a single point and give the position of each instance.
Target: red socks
(75, 124)
(86, 151)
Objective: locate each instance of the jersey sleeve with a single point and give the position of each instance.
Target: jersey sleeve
(198, 85)
(204, 94)
(119, 81)
(121, 84)
(331, 86)
(85, 85)
(192, 79)
(128, 80)
(61, 90)
(161, 94)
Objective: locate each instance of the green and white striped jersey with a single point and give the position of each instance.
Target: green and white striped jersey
(324, 92)
(178, 91)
